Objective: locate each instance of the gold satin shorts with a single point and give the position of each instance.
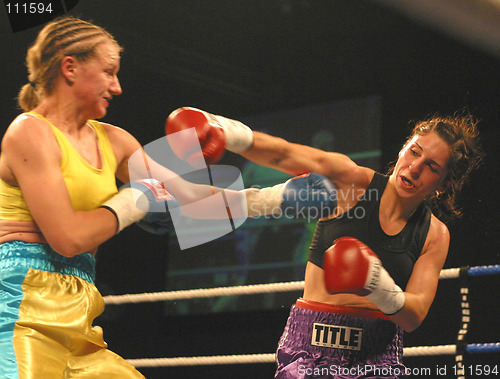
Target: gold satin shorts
(47, 306)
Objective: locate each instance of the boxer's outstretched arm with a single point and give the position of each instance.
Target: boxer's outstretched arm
(261, 148)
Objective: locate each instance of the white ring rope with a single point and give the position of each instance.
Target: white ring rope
(429, 350)
(205, 292)
(200, 361)
(271, 357)
(266, 358)
(450, 273)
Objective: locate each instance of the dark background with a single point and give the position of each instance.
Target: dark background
(241, 58)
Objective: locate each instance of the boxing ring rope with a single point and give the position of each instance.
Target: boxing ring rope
(270, 357)
(253, 289)
(458, 349)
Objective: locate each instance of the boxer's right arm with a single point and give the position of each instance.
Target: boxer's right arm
(32, 155)
(261, 148)
(146, 202)
(215, 133)
(297, 159)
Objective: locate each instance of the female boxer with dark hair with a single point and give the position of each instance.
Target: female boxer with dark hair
(373, 267)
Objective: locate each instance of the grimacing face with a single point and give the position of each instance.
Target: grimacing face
(421, 168)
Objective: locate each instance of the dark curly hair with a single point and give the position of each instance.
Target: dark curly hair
(466, 154)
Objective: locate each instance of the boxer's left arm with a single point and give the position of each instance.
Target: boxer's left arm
(352, 267)
(422, 286)
(309, 196)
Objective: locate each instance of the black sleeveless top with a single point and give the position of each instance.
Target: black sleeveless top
(398, 253)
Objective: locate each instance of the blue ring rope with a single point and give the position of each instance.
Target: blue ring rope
(482, 348)
(483, 270)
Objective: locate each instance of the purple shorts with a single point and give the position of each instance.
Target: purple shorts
(350, 343)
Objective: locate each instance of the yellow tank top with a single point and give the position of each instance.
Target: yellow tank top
(88, 186)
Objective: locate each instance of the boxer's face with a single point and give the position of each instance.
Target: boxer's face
(421, 168)
(96, 80)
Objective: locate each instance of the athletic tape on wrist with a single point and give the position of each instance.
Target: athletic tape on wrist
(123, 205)
(385, 293)
(239, 137)
(265, 201)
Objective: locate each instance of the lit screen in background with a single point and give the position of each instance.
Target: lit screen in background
(272, 249)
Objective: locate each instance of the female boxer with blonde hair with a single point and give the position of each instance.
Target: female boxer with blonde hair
(57, 167)
(59, 202)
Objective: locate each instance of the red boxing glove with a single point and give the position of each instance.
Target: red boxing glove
(346, 264)
(352, 267)
(210, 136)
